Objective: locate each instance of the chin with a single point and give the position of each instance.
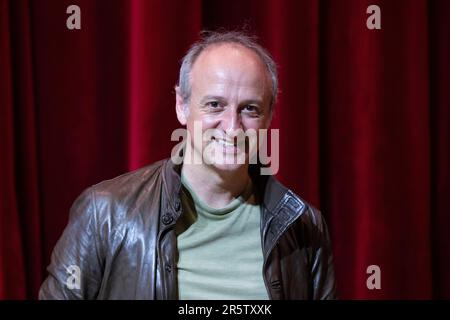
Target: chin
(229, 164)
(225, 167)
(225, 159)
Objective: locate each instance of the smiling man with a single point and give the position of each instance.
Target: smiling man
(210, 229)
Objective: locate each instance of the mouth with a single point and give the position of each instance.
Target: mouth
(225, 143)
(227, 146)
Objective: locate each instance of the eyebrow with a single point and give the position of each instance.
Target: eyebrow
(211, 97)
(222, 99)
(253, 101)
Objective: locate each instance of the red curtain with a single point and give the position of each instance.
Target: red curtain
(364, 119)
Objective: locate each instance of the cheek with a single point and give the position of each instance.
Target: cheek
(209, 122)
(206, 121)
(198, 124)
(255, 123)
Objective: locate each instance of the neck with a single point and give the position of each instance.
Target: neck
(215, 187)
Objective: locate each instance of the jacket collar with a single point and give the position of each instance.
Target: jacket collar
(268, 190)
(280, 206)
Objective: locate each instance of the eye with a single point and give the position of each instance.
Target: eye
(251, 108)
(213, 104)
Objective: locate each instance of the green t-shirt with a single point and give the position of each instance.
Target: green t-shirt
(220, 253)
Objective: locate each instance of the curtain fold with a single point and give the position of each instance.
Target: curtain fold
(440, 143)
(160, 34)
(20, 247)
(376, 145)
(364, 119)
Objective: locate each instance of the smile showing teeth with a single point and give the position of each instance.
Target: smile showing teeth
(225, 143)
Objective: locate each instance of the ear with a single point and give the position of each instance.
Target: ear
(181, 107)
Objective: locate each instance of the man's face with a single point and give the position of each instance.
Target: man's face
(230, 93)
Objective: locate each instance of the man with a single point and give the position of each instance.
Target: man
(208, 229)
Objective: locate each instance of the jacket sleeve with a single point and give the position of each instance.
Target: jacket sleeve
(322, 270)
(75, 270)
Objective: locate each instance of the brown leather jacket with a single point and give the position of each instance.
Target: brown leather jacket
(121, 238)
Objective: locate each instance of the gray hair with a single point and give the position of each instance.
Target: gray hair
(213, 38)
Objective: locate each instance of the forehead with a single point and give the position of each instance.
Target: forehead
(229, 61)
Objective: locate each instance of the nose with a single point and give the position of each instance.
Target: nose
(231, 121)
